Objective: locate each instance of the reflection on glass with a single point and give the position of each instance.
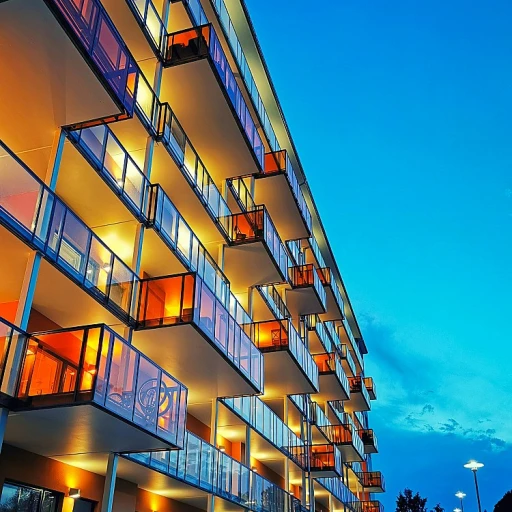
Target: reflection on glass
(94, 364)
(185, 298)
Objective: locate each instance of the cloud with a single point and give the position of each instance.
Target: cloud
(421, 389)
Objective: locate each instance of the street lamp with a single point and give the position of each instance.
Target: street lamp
(460, 495)
(475, 466)
(457, 510)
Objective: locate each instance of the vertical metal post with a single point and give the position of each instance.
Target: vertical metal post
(110, 483)
(477, 492)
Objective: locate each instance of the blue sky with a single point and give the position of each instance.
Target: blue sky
(401, 111)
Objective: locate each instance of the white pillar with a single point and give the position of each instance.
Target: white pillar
(110, 483)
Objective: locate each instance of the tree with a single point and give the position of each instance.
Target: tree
(505, 504)
(407, 502)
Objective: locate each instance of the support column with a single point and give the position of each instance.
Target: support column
(52, 171)
(4, 413)
(213, 441)
(110, 483)
(15, 355)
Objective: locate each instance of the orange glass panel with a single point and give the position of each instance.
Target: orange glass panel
(270, 335)
(302, 275)
(275, 162)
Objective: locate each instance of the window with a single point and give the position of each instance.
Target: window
(21, 498)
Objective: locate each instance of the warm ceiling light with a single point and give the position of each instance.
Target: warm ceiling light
(74, 493)
(107, 268)
(255, 469)
(222, 448)
(30, 352)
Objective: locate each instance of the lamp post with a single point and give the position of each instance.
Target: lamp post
(460, 495)
(475, 466)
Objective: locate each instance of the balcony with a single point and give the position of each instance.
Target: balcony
(347, 360)
(13, 341)
(189, 475)
(199, 80)
(325, 461)
(184, 327)
(347, 338)
(69, 46)
(359, 397)
(345, 437)
(370, 387)
(271, 438)
(179, 170)
(307, 295)
(335, 305)
(319, 340)
(36, 216)
(103, 151)
(334, 384)
(369, 440)
(256, 254)
(371, 506)
(289, 366)
(372, 481)
(87, 390)
(278, 189)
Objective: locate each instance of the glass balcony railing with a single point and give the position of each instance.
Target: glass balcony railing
(317, 253)
(305, 276)
(325, 458)
(327, 279)
(274, 301)
(369, 440)
(346, 355)
(330, 364)
(203, 466)
(12, 341)
(37, 216)
(186, 299)
(344, 434)
(95, 32)
(241, 193)
(279, 335)
(179, 146)
(372, 479)
(357, 386)
(259, 416)
(108, 157)
(94, 365)
(314, 324)
(370, 506)
(295, 251)
(278, 162)
(355, 347)
(370, 386)
(302, 403)
(196, 10)
(151, 22)
(200, 42)
(340, 491)
(257, 226)
(165, 218)
(318, 416)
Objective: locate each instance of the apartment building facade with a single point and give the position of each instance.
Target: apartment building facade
(175, 334)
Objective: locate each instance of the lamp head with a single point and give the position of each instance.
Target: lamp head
(460, 494)
(457, 510)
(473, 465)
